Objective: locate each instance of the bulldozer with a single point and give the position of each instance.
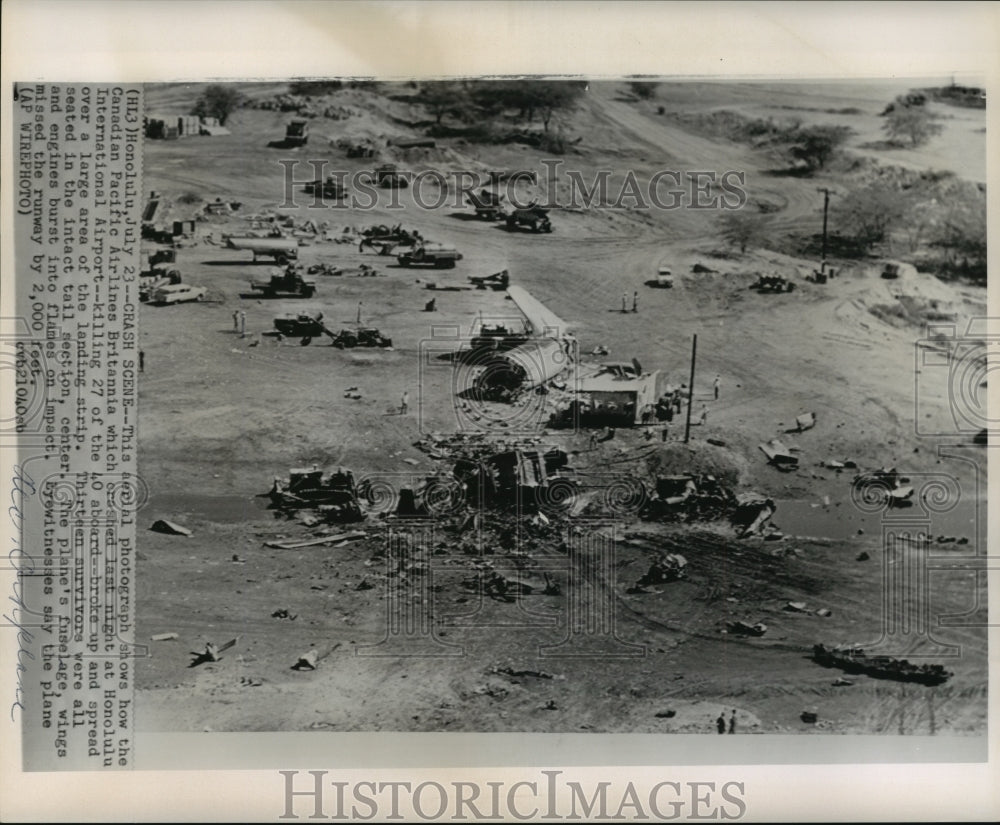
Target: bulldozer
(361, 337)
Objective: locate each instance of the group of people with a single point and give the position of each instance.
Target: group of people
(635, 302)
(720, 723)
(670, 404)
(667, 406)
(240, 322)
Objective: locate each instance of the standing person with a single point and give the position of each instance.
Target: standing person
(665, 432)
(404, 404)
(243, 324)
(359, 311)
(732, 722)
(236, 320)
(704, 415)
(715, 385)
(720, 723)
(142, 361)
(635, 301)
(624, 302)
(593, 441)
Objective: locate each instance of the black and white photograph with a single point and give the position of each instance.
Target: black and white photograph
(563, 405)
(474, 402)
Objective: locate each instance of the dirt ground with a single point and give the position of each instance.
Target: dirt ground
(221, 415)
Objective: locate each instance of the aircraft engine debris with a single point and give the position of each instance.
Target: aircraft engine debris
(855, 660)
(334, 496)
(667, 567)
(744, 629)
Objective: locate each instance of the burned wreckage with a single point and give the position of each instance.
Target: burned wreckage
(856, 660)
(334, 496)
(526, 479)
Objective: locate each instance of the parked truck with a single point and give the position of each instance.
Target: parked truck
(161, 270)
(533, 218)
(288, 283)
(664, 278)
(297, 133)
(487, 204)
(430, 254)
(282, 250)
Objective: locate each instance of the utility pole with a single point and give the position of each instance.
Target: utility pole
(826, 209)
(687, 426)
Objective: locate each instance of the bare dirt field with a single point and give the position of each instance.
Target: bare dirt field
(221, 415)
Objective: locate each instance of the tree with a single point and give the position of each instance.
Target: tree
(912, 122)
(217, 101)
(815, 145)
(745, 228)
(962, 236)
(868, 215)
(443, 98)
(550, 97)
(643, 89)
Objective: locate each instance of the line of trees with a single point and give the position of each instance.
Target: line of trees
(942, 220)
(473, 101)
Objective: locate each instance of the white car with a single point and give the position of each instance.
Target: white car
(178, 293)
(664, 277)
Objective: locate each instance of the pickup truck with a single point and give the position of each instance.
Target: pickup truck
(436, 255)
